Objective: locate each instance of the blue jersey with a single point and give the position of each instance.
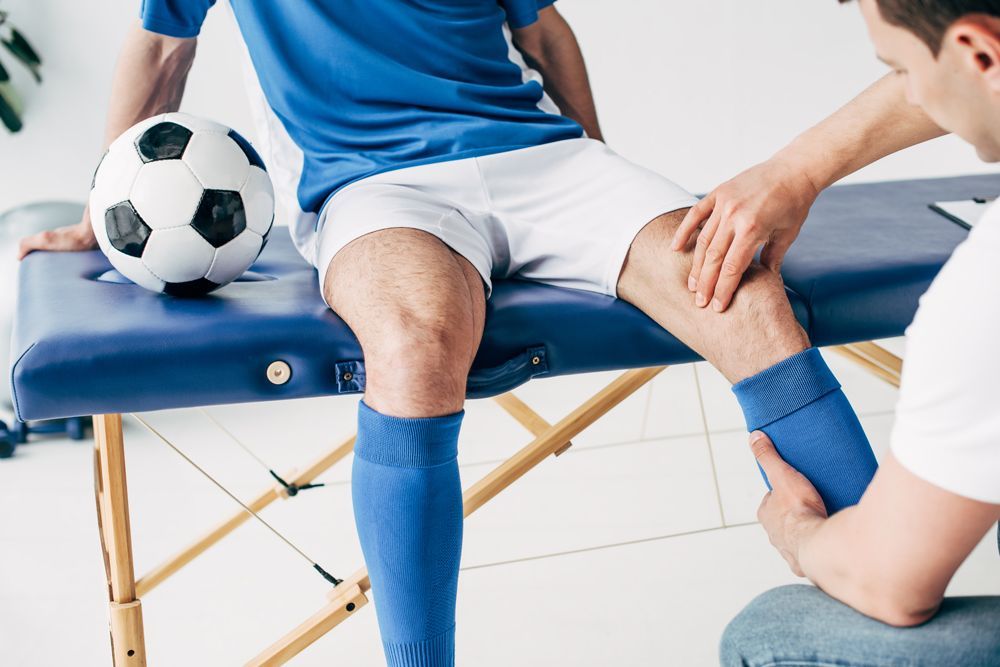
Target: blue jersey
(352, 88)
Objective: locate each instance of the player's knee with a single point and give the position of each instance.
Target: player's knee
(762, 292)
(418, 366)
(761, 304)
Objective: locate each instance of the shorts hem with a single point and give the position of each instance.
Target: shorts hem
(640, 219)
(325, 257)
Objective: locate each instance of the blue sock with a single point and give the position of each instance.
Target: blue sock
(408, 510)
(799, 405)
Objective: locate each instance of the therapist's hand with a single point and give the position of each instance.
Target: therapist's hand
(765, 205)
(71, 237)
(793, 508)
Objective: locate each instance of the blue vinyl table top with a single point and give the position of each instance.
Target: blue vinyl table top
(86, 345)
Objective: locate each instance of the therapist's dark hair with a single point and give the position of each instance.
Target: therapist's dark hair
(930, 19)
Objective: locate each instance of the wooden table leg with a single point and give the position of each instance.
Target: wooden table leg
(128, 646)
(354, 588)
(875, 359)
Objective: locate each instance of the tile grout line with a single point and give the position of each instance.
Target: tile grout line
(645, 414)
(708, 444)
(610, 445)
(613, 545)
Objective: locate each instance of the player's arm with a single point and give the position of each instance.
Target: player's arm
(767, 204)
(149, 79)
(550, 47)
(889, 557)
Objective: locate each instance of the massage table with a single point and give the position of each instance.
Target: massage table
(88, 343)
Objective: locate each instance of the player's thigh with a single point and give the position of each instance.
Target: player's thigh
(418, 310)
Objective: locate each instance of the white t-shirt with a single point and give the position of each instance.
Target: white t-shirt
(948, 418)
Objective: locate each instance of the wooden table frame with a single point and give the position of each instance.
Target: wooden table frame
(124, 590)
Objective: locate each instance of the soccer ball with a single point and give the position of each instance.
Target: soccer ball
(181, 204)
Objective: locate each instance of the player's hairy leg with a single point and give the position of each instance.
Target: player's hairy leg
(756, 332)
(418, 310)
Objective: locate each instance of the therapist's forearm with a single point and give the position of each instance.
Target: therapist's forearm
(846, 561)
(876, 123)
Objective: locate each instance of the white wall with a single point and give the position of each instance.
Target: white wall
(696, 90)
(55, 154)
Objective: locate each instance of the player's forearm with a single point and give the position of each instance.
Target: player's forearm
(876, 123)
(551, 47)
(149, 79)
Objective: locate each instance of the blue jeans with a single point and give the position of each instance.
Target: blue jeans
(800, 626)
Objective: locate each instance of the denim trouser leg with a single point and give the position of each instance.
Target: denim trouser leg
(800, 626)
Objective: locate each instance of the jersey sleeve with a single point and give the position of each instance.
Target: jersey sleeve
(947, 429)
(174, 18)
(522, 13)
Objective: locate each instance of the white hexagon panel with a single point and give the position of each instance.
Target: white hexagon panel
(133, 269)
(217, 161)
(196, 123)
(114, 177)
(258, 201)
(178, 255)
(235, 257)
(166, 194)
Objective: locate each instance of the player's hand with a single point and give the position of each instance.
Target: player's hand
(71, 237)
(792, 509)
(765, 205)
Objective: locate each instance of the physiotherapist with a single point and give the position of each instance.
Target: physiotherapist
(881, 567)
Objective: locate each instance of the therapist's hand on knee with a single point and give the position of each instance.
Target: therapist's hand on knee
(792, 509)
(764, 206)
(69, 238)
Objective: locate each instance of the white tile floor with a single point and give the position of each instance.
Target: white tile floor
(614, 554)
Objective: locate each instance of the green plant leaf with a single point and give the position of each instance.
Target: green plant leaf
(10, 108)
(23, 46)
(19, 46)
(4, 76)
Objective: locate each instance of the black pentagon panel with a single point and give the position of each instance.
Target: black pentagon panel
(220, 216)
(93, 181)
(252, 155)
(126, 230)
(191, 288)
(163, 141)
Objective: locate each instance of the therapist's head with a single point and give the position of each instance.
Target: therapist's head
(948, 52)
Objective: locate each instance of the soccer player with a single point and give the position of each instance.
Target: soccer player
(420, 150)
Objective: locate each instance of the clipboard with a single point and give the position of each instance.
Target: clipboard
(964, 212)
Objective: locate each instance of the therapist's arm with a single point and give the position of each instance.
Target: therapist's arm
(767, 204)
(550, 47)
(889, 557)
(149, 79)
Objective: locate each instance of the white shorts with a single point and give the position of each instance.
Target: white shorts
(563, 213)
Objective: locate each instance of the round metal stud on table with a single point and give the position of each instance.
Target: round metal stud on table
(278, 372)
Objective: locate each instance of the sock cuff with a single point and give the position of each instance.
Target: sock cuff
(407, 442)
(438, 651)
(780, 390)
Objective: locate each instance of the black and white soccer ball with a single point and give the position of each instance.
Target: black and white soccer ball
(181, 204)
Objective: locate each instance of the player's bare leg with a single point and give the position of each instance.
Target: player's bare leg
(418, 310)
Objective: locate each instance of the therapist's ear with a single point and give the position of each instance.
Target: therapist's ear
(976, 40)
